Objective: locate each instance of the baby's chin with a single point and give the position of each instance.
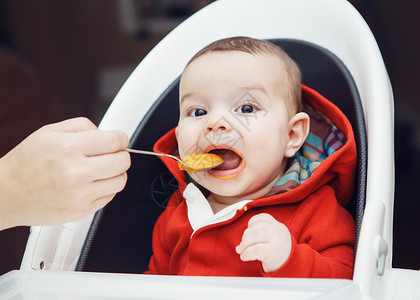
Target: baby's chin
(226, 188)
(214, 185)
(239, 188)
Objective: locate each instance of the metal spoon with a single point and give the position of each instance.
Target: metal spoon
(198, 164)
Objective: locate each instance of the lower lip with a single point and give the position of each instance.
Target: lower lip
(227, 174)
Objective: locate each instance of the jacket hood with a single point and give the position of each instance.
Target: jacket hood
(328, 156)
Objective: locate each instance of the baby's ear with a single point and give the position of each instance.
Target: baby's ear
(298, 131)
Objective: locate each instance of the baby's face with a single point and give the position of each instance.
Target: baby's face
(232, 104)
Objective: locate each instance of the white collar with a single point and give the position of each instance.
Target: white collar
(200, 213)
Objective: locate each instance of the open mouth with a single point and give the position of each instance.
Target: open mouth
(232, 165)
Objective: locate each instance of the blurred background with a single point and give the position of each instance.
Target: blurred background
(61, 59)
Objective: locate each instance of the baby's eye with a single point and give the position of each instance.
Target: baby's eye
(246, 109)
(198, 112)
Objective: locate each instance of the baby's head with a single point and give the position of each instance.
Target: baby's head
(241, 98)
(292, 84)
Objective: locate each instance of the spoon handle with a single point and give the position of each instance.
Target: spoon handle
(152, 153)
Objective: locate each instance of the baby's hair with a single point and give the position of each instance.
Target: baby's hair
(255, 47)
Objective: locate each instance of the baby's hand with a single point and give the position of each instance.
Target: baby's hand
(266, 240)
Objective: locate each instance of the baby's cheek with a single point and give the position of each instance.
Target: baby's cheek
(185, 141)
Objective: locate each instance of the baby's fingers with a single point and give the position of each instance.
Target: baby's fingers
(263, 218)
(253, 235)
(254, 252)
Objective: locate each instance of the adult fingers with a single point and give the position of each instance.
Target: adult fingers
(94, 206)
(97, 142)
(110, 186)
(99, 203)
(71, 125)
(114, 185)
(108, 165)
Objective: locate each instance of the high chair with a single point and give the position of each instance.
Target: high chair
(339, 58)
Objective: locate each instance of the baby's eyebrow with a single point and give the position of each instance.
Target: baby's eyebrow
(186, 95)
(254, 88)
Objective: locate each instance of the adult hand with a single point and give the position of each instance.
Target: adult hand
(60, 173)
(266, 240)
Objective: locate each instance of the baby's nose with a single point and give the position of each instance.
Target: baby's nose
(220, 124)
(216, 127)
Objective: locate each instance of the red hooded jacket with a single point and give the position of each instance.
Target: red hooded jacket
(311, 206)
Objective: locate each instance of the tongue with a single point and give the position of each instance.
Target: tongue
(231, 159)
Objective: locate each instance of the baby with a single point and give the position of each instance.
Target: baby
(274, 207)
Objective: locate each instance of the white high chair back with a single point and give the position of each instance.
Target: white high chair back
(332, 25)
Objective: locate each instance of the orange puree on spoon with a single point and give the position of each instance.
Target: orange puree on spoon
(197, 162)
(192, 163)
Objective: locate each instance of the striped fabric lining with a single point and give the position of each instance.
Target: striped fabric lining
(323, 140)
